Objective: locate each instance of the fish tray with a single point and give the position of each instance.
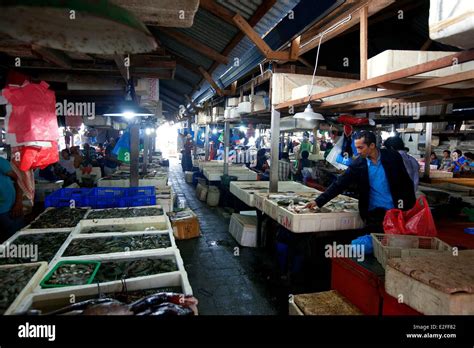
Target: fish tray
(387, 246)
(67, 196)
(121, 225)
(162, 254)
(49, 301)
(312, 222)
(29, 286)
(245, 191)
(243, 174)
(106, 197)
(44, 283)
(96, 236)
(31, 228)
(139, 196)
(159, 182)
(91, 214)
(49, 259)
(207, 164)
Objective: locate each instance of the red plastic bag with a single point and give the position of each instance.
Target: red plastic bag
(32, 157)
(33, 115)
(416, 221)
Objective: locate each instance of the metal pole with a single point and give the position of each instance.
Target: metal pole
(226, 147)
(275, 150)
(134, 153)
(429, 133)
(206, 143)
(146, 148)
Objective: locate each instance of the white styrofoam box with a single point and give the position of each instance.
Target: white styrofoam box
(439, 174)
(159, 182)
(232, 101)
(217, 111)
(73, 237)
(258, 102)
(170, 253)
(86, 217)
(188, 177)
(63, 229)
(11, 240)
(139, 224)
(247, 195)
(212, 163)
(234, 113)
(452, 22)
(97, 121)
(393, 60)
(293, 86)
(30, 285)
(61, 299)
(244, 107)
(244, 229)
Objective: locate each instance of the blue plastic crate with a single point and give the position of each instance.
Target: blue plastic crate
(65, 197)
(141, 191)
(139, 196)
(106, 197)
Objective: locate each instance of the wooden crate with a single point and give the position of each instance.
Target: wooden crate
(322, 303)
(185, 228)
(434, 285)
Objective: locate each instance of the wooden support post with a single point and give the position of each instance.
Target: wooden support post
(206, 143)
(295, 48)
(146, 149)
(363, 42)
(275, 150)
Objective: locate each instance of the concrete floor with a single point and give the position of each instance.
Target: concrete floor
(226, 279)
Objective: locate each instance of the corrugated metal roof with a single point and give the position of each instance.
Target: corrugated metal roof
(244, 49)
(246, 8)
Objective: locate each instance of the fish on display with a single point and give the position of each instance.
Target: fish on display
(12, 281)
(59, 218)
(123, 213)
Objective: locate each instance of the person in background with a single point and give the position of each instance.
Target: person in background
(458, 160)
(11, 201)
(90, 156)
(284, 167)
(68, 172)
(187, 156)
(434, 160)
(111, 162)
(50, 173)
(262, 163)
(304, 162)
(468, 165)
(411, 164)
(446, 161)
(382, 180)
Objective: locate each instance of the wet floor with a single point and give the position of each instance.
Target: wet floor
(226, 279)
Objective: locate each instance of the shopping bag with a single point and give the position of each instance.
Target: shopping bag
(335, 153)
(416, 221)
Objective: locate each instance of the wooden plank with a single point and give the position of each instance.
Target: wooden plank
(295, 48)
(459, 57)
(209, 79)
(56, 57)
(251, 34)
(407, 89)
(351, 8)
(196, 45)
(120, 62)
(218, 10)
(363, 42)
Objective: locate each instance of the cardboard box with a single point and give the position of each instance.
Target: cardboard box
(185, 224)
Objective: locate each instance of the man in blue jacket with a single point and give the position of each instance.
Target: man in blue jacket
(381, 178)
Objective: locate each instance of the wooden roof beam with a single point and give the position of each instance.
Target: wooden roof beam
(218, 10)
(440, 63)
(196, 45)
(53, 56)
(209, 79)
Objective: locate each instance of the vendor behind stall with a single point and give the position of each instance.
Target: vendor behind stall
(11, 204)
(382, 179)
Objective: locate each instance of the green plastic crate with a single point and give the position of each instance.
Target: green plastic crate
(59, 264)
